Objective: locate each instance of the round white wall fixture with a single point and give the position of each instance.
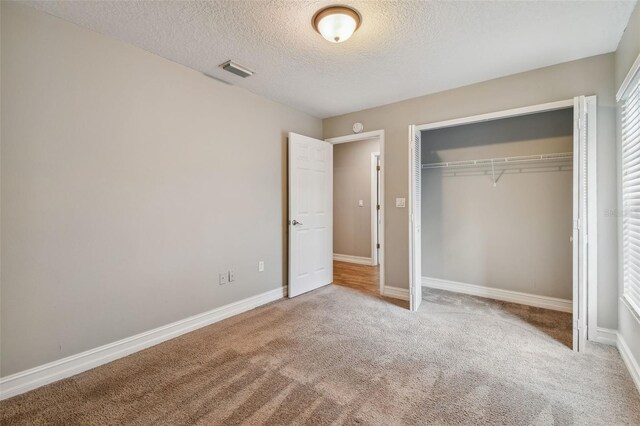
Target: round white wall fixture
(357, 127)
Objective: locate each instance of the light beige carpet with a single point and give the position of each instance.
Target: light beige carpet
(336, 356)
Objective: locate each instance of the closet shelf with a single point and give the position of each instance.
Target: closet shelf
(491, 162)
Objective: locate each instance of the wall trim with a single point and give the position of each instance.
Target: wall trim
(33, 378)
(606, 336)
(353, 259)
(610, 337)
(499, 294)
(635, 68)
(396, 292)
(629, 361)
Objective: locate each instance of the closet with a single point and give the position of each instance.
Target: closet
(497, 208)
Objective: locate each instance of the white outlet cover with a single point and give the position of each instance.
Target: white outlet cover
(400, 202)
(261, 266)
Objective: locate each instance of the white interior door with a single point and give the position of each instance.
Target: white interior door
(310, 214)
(580, 199)
(415, 220)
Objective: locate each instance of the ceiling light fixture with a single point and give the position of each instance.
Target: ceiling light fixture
(336, 23)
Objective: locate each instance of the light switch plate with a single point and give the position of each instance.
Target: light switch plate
(400, 202)
(232, 276)
(361, 203)
(261, 266)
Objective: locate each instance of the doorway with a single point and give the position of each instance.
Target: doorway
(313, 246)
(357, 211)
(580, 265)
(355, 214)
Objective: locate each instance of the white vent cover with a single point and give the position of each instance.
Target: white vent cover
(237, 69)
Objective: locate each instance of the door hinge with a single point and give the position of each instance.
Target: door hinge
(378, 245)
(378, 168)
(377, 206)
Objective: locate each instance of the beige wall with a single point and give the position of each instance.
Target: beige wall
(351, 183)
(117, 208)
(628, 51)
(514, 236)
(584, 77)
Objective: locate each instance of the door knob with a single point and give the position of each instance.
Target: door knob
(295, 222)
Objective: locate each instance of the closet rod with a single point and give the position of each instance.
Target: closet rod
(489, 162)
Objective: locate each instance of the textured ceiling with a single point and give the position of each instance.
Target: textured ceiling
(402, 50)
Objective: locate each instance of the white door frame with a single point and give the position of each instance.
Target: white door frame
(374, 210)
(591, 291)
(379, 135)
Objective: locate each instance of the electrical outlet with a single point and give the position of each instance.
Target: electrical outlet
(222, 278)
(261, 266)
(232, 276)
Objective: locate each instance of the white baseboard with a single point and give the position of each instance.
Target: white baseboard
(629, 360)
(353, 259)
(499, 294)
(396, 292)
(27, 380)
(606, 336)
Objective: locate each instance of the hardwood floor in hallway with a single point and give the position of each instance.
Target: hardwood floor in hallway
(363, 278)
(360, 277)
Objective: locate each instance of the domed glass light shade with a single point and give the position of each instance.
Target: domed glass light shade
(336, 23)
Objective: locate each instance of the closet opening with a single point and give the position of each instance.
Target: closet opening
(499, 217)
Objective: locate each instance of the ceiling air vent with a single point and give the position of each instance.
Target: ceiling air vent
(237, 69)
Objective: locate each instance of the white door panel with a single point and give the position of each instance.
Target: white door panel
(310, 214)
(580, 192)
(415, 220)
